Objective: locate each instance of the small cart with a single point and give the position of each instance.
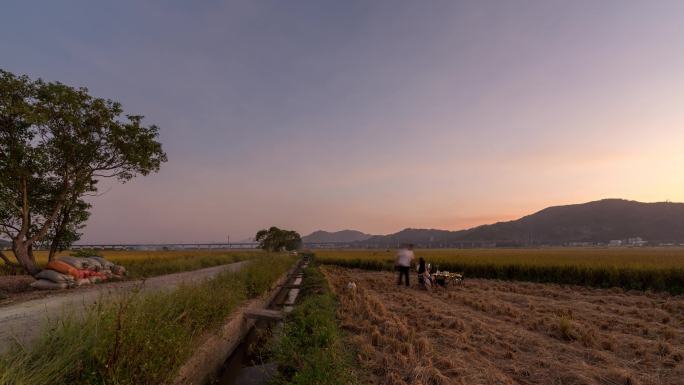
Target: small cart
(446, 279)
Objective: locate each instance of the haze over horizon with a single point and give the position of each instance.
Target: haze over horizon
(372, 116)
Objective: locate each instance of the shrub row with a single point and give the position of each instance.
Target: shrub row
(137, 339)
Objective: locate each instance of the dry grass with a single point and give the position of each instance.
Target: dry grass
(496, 332)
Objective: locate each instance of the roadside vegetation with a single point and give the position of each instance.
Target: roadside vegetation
(310, 349)
(658, 269)
(137, 339)
(143, 264)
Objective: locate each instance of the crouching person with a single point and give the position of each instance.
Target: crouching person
(424, 277)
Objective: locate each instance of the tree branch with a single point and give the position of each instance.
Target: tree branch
(11, 202)
(7, 225)
(58, 206)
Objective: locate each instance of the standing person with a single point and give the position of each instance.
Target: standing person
(403, 262)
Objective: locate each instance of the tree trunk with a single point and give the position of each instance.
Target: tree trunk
(22, 251)
(59, 232)
(53, 249)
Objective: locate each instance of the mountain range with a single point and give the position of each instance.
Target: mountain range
(592, 222)
(343, 236)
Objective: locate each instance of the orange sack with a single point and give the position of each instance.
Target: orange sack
(64, 268)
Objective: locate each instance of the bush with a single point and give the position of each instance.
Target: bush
(85, 253)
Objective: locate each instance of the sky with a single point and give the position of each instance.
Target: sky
(368, 115)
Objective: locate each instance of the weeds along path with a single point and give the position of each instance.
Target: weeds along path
(495, 332)
(23, 321)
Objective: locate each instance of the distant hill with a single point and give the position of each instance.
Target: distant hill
(321, 236)
(599, 221)
(417, 236)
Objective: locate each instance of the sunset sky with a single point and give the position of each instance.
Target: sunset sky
(369, 115)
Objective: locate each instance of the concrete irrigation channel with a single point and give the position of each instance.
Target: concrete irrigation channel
(24, 321)
(222, 358)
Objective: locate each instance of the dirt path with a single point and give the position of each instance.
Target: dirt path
(494, 332)
(23, 321)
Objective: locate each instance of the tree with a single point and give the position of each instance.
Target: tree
(275, 239)
(56, 142)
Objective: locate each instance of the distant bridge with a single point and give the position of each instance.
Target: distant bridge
(198, 246)
(255, 245)
(166, 246)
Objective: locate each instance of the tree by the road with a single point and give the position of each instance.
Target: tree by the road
(275, 239)
(56, 142)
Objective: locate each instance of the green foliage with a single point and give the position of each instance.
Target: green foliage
(138, 339)
(66, 229)
(85, 253)
(56, 142)
(310, 349)
(275, 239)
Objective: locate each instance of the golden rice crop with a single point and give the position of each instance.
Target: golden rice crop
(659, 269)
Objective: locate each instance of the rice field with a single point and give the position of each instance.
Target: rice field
(502, 332)
(659, 269)
(148, 263)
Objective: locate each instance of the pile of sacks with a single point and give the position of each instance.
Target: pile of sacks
(67, 272)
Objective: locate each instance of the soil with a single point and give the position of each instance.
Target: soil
(496, 332)
(11, 284)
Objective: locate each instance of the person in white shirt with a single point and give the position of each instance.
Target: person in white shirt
(403, 262)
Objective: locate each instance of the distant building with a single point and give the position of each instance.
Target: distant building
(579, 244)
(615, 242)
(636, 241)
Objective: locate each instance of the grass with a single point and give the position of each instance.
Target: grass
(138, 339)
(310, 349)
(141, 264)
(566, 328)
(659, 269)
